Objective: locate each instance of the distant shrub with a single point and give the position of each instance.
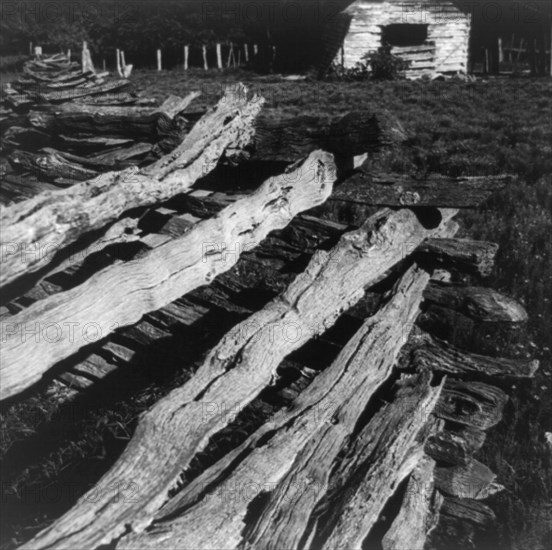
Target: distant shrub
(384, 65)
(357, 73)
(379, 65)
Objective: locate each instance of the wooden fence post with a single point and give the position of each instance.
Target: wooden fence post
(521, 46)
(219, 56)
(205, 65)
(255, 49)
(69, 54)
(125, 69)
(159, 60)
(500, 51)
(86, 59)
(186, 55)
(231, 57)
(246, 50)
(118, 56)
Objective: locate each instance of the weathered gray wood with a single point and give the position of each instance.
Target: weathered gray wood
(142, 334)
(464, 332)
(119, 98)
(466, 255)
(479, 303)
(56, 77)
(67, 95)
(16, 188)
(364, 187)
(291, 138)
(56, 219)
(455, 447)
(125, 121)
(74, 381)
(308, 232)
(384, 453)
(473, 404)
(419, 512)
(205, 204)
(440, 356)
(459, 522)
(120, 294)
(240, 366)
(121, 232)
(114, 159)
(51, 166)
(40, 291)
(94, 367)
(92, 142)
(465, 509)
(302, 236)
(472, 480)
(74, 80)
(307, 440)
(293, 515)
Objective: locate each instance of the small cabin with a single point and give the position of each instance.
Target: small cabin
(432, 35)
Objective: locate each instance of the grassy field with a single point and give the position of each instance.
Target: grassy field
(456, 128)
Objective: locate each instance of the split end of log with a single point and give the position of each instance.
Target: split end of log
(472, 256)
(439, 356)
(479, 303)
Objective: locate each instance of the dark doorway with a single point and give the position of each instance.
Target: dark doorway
(404, 34)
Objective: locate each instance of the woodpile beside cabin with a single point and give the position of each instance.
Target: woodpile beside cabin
(433, 35)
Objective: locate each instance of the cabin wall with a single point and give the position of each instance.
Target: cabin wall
(446, 47)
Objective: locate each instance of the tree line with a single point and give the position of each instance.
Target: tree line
(141, 27)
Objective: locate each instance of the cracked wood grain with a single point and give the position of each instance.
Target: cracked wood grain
(383, 454)
(419, 512)
(33, 229)
(236, 370)
(293, 466)
(122, 293)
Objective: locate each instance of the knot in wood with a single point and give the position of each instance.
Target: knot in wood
(320, 172)
(409, 198)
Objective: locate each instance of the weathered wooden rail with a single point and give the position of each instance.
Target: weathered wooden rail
(394, 413)
(62, 124)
